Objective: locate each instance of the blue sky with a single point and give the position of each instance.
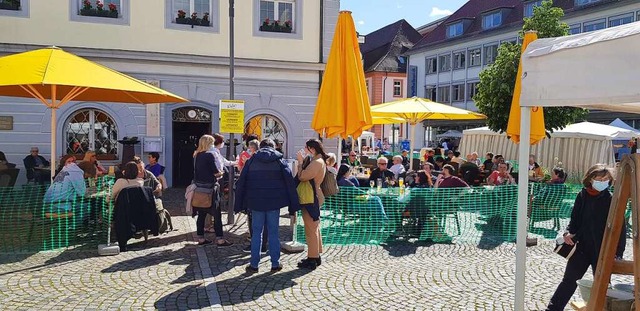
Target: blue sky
(370, 15)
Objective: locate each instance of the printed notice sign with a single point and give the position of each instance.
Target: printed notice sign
(232, 116)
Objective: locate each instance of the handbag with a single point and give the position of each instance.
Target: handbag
(305, 192)
(203, 195)
(329, 185)
(565, 250)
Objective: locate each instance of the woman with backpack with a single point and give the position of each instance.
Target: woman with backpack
(312, 168)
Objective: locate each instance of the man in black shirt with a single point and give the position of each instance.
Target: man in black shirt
(381, 172)
(488, 162)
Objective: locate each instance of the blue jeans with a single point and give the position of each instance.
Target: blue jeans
(271, 219)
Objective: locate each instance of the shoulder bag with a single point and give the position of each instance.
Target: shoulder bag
(329, 185)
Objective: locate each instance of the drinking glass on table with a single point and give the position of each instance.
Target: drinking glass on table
(400, 182)
(372, 184)
(379, 184)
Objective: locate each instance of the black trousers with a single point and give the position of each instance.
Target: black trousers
(576, 268)
(217, 222)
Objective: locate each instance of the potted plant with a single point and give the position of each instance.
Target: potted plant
(87, 8)
(113, 10)
(205, 20)
(194, 19)
(266, 26)
(182, 17)
(13, 5)
(276, 26)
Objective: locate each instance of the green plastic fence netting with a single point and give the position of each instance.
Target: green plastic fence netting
(29, 223)
(481, 215)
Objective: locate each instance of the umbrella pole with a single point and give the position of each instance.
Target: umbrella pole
(523, 182)
(339, 155)
(53, 142)
(413, 135)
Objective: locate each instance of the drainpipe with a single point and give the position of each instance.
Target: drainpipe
(321, 43)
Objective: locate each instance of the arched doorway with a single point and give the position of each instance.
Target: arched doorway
(189, 124)
(268, 126)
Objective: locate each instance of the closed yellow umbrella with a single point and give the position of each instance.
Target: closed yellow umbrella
(56, 77)
(343, 107)
(415, 110)
(537, 115)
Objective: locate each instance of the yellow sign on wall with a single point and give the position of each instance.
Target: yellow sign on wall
(232, 116)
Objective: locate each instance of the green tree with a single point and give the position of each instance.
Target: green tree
(497, 81)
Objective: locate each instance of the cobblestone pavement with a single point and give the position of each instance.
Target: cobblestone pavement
(171, 273)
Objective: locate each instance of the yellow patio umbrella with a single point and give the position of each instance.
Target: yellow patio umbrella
(415, 110)
(56, 77)
(537, 115)
(342, 108)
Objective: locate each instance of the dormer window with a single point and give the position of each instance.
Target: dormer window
(528, 7)
(492, 20)
(455, 30)
(585, 2)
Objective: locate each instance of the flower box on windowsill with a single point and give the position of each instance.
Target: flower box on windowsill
(99, 13)
(10, 6)
(190, 21)
(275, 28)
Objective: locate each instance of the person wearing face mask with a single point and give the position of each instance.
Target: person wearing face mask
(252, 147)
(586, 228)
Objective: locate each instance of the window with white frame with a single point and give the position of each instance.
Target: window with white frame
(459, 60)
(444, 95)
(277, 15)
(91, 129)
(575, 29)
(432, 65)
(193, 12)
(620, 20)
(445, 62)
(585, 2)
(430, 92)
(397, 88)
(492, 20)
(475, 57)
(455, 30)
(472, 90)
(595, 25)
(528, 7)
(490, 54)
(457, 92)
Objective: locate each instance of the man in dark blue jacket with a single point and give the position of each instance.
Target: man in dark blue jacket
(265, 186)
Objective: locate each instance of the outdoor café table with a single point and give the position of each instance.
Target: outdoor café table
(363, 179)
(394, 202)
(44, 174)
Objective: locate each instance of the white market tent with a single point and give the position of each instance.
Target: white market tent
(368, 137)
(595, 70)
(577, 146)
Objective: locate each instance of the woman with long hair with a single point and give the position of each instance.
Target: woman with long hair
(90, 165)
(206, 173)
(312, 167)
(586, 228)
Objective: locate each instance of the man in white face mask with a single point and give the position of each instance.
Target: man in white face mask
(586, 230)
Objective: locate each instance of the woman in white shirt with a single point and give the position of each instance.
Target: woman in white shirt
(221, 161)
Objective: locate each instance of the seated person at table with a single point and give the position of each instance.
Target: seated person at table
(558, 176)
(422, 180)
(473, 158)
(129, 179)
(154, 167)
(501, 176)
(428, 169)
(430, 156)
(345, 179)
(4, 163)
(31, 162)
(331, 163)
(488, 162)
(405, 159)
(381, 172)
(67, 185)
(449, 157)
(352, 160)
(470, 172)
(90, 165)
(440, 162)
(456, 158)
(149, 179)
(397, 168)
(535, 171)
(448, 179)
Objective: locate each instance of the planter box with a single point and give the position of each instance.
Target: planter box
(182, 20)
(9, 6)
(99, 13)
(205, 23)
(272, 28)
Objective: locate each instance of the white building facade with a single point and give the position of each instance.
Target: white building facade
(447, 71)
(278, 72)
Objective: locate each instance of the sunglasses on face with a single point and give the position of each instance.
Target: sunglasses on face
(382, 163)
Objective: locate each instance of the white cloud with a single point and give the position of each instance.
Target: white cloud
(360, 22)
(435, 11)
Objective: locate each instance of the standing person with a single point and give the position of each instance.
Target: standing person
(252, 147)
(405, 159)
(586, 227)
(312, 169)
(33, 160)
(266, 186)
(206, 172)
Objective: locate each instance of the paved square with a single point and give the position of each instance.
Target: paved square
(171, 273)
